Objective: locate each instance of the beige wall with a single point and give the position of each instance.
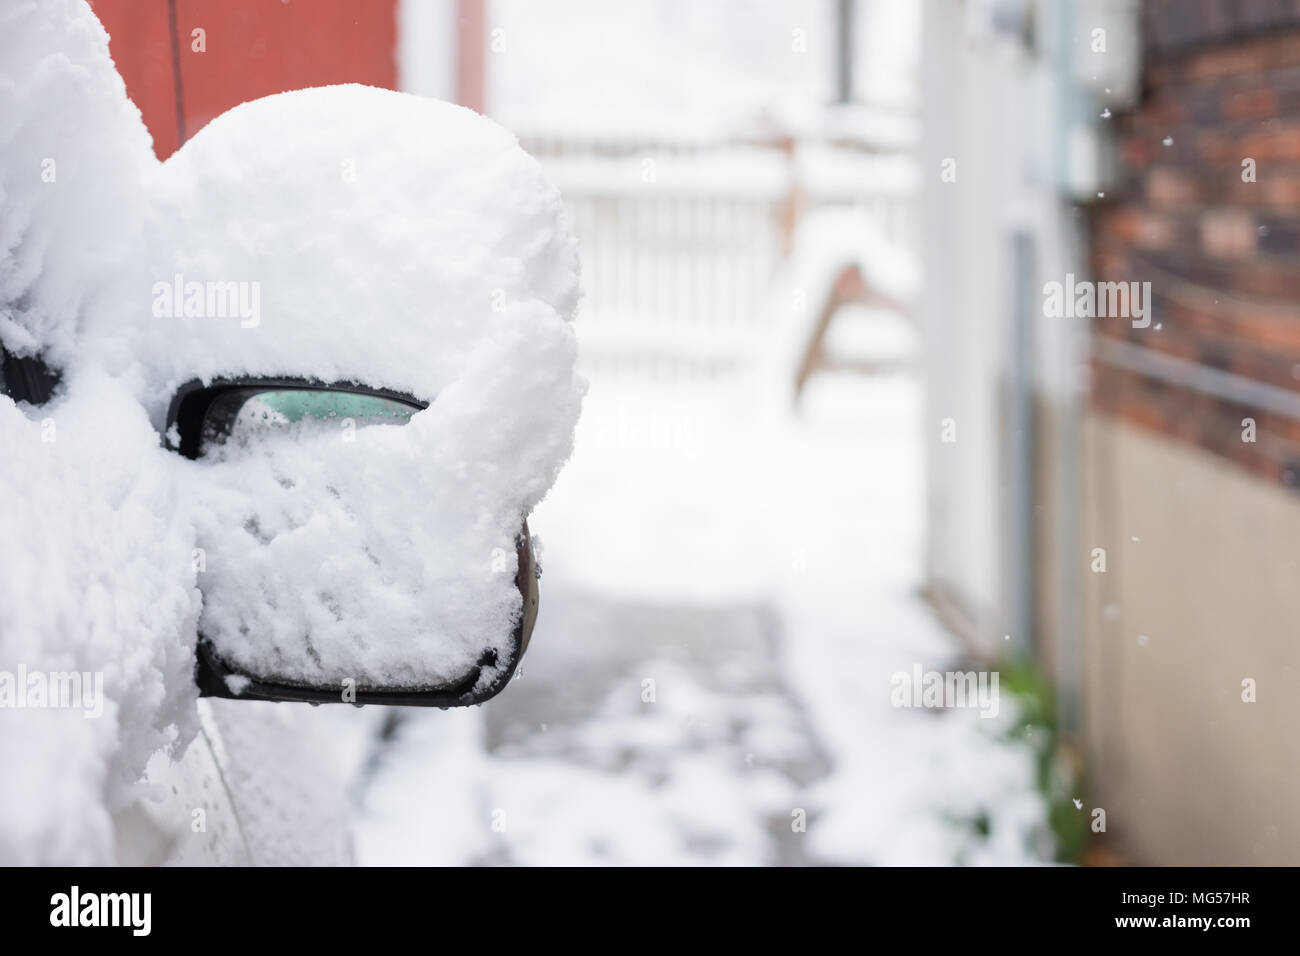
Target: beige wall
(1187, 772)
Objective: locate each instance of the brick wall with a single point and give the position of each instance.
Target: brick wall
(1221, 85)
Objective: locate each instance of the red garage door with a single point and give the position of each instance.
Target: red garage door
(250, 48)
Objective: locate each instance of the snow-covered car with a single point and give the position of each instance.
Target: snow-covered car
(276, 411)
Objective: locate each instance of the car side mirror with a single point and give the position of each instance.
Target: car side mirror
(207, 418)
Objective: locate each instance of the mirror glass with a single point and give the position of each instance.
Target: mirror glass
(248, 415)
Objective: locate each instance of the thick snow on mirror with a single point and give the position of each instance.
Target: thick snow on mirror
(395, 242)
(337, 552)
(355, 233)
(345, 233)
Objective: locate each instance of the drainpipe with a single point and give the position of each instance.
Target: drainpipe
(1022, 599)
(844, 51)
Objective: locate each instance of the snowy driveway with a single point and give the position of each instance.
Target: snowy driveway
(726, 596)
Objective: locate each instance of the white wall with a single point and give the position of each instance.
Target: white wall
(961, 310)
(996, 104)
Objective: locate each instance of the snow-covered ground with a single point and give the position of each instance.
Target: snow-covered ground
(726, 595)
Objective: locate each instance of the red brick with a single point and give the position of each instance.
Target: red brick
(1250, 104)
(1279, 190)
(1228, 233)
(1271, 141)
(1224, 61)
(1215, 146)
(1171, 187)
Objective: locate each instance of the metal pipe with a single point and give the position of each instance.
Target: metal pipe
(1199, 378)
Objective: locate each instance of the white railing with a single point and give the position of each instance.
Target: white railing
(681, 241)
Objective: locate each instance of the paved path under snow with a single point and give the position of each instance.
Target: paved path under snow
(725, 600)
(643, 690)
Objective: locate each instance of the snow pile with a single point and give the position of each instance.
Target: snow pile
(828, 241)
(342, 234)
(96, 580)
(73, 152)
(393, 240)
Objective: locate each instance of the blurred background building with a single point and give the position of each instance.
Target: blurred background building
(1143, 547)
(815, 239)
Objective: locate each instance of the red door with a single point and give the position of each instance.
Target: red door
(186, 61)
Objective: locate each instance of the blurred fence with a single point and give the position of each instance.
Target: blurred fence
(681, 239)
